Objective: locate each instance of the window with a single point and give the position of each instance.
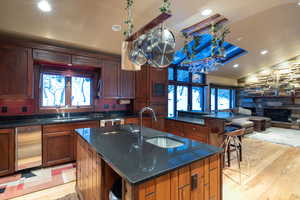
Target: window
(222, 98)
(185, 90)
(53, 90)
(81, 91)
(59, 90)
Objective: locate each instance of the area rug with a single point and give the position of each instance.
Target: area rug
(30, 181)
(279, 136)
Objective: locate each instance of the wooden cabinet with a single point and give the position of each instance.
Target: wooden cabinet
(16, 72)
(127, 84)
(198, 181)
(110, 78)
(89, 175)
(131, 120)
(192, 131)
(51, 57)
(117, 83)
(7, 150)
(85, 61)
(58, 148)
(174, 127)
(59, 142)
(196, 132)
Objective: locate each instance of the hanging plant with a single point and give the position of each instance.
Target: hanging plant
(166, 7)
(129, 21)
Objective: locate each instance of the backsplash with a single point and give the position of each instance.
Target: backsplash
(27, 107)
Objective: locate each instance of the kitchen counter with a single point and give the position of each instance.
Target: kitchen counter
(137, 165)
(192, 120)
(11, 122)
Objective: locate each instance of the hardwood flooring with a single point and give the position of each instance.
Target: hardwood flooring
(268, 172)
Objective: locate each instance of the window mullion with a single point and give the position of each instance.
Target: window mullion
(68, 91)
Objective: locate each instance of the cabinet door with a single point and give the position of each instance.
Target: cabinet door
(133, 120)
(7, 151)
(174, 127)
(58, 148)
(110, 78)
(51, 57)
(197, 176)
(16, 72)
(127, 84)
(84, 61)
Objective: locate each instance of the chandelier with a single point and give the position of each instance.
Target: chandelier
(217, 53)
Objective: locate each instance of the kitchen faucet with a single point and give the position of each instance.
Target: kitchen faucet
(140, 135)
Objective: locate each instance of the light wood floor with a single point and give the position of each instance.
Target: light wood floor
(268, 172)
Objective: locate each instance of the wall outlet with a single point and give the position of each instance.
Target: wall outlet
(4, 109)
(24, 109)
(106, 106)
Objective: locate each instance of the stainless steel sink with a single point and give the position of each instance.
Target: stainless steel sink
(70, 119)
(165, 142)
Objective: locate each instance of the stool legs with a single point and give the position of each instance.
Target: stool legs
(234, 141)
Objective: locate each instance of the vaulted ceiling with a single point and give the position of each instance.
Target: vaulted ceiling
(255, 25)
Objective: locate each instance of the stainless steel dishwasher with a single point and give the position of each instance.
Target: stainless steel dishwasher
(28, 147)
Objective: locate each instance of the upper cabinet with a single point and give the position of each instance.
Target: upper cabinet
(51, 57)
(117, 83)
(16, 72)
(85, 61)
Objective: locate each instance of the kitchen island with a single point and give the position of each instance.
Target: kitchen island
(163, 167)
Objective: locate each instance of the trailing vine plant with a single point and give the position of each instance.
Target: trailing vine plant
(218, 34)
(166, 7)
(129, 20)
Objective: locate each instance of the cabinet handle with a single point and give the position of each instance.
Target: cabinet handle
(194, 129)
(194, 181)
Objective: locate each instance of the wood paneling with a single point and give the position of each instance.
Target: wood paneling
(16, 72)
(7, 151)
(89, 175)
(133, 120)
(196, 132)
(51, 57)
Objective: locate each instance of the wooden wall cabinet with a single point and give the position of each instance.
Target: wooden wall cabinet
(52, 57)
(117, 83)
(7, 149)
(85, 61)
(16, 72)
(151, 90)
(62, 138)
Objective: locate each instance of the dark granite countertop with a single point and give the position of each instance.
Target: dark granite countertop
(140, 164)
(199, 117)
(192, 120)
(11, 122)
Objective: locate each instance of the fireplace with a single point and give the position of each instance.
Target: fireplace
(280, 115)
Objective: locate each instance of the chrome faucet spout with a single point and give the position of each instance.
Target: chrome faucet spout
(140, 136)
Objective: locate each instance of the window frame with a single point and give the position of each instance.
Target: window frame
(68, 73)
(190, 84)
(232, 96)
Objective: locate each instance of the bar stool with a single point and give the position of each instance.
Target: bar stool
(233, 138)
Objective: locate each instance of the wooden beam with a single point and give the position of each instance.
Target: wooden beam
(200, 24)
(155, 22)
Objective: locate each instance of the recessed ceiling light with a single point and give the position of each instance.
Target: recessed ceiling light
(116, 27)
(236, 65)
(264, 52)
(239, 38)
(206, 12)
(44, 6)
(299, 3)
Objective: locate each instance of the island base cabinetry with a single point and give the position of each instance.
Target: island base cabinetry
(200, 180)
